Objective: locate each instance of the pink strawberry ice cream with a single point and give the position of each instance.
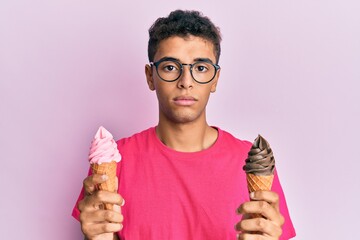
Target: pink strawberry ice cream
(103, 148)
(103, 158)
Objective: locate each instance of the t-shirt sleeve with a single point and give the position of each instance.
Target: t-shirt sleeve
(288, 228)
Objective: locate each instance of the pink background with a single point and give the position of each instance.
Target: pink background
(290, 71)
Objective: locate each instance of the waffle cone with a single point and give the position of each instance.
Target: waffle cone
(259, 182)
(108, 169)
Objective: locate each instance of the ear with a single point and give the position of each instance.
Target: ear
(149, 77)
(215, 81)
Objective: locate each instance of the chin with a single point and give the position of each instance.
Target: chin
(183, 117)
(183, 120)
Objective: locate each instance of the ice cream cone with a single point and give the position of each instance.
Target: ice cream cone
(259, 182)
(103, 157)
(108, 169)
(259, 167)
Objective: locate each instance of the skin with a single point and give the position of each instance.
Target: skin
(268, 225)
(183, 128)
(96, 222)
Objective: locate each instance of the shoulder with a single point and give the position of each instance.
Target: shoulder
(135, 141)
(233, 142)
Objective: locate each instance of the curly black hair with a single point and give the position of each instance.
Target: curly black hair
(183, 23)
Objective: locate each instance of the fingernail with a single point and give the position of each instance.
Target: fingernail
(104, 177)
(123, 202)
(252, 195)
(237, 236)
(116, 208)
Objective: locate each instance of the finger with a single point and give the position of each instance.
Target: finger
(268, 196)
(273, 199)
(89, 204)
(260, 207)
(91, 181)
(101, 216)
(248, 236)
(259, 225)
(108, 197)
(116, 208)
(100, 228)
(94, 201)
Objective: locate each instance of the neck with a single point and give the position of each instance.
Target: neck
(186, 137)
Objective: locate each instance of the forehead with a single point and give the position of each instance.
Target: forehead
(186, 49)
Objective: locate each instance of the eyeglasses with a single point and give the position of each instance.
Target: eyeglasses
(170, 70)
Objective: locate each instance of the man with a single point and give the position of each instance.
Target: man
(182, 179)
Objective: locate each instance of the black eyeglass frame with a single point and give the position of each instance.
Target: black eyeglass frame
(156, 64)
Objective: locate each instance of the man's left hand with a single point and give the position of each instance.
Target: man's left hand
(262, 219)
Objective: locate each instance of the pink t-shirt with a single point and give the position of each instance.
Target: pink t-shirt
(178, 195)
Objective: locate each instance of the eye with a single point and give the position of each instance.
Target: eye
(201, 67)
(169, 66)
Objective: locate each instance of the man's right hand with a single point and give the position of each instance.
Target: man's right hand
(96, 222)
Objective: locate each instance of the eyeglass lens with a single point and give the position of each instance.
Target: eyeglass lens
(171, 70)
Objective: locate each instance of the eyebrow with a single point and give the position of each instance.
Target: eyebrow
(169, 58)
(203, 60)
(195, 60)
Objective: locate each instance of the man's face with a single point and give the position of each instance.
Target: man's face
(183, 100)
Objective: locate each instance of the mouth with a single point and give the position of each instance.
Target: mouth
(185, 100)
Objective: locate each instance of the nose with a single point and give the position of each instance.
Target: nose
(186, 81)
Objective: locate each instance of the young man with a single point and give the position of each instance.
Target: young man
(182, 179)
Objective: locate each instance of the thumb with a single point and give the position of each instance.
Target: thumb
(90, 183)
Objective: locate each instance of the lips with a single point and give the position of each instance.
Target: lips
(184, 100)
